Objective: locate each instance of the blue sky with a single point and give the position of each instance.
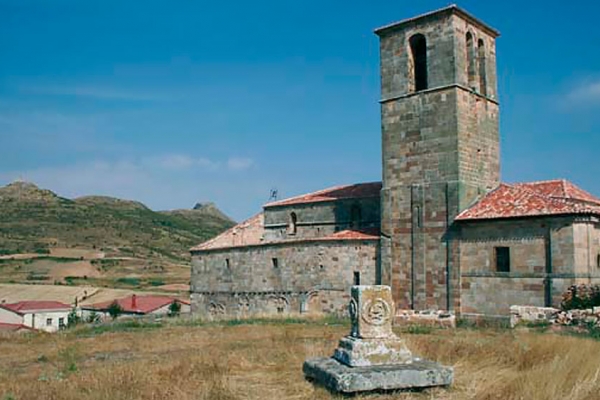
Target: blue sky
(174, 102)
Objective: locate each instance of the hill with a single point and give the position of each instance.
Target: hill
(37, 221)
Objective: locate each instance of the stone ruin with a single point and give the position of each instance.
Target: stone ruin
(372, 357)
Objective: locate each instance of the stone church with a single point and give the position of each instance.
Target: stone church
(440, 229)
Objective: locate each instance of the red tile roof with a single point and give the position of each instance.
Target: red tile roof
(362, 234)
(23, 307)
(13, 327)
(357, 191)
(556, 197)
(561, 189)
(246, 233)
(138, 304)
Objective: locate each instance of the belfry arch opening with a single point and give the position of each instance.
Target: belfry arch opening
(482, 67)
(471, 64)
(418, 49)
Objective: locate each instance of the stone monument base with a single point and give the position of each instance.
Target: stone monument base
(356, 352)
(340, 378)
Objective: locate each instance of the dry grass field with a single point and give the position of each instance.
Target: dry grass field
(263, 360)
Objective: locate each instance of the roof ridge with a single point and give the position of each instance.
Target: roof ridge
(540, 181)
(561, 200)
(328, 189)
(332, 189)
(566, 187)
(306, 194)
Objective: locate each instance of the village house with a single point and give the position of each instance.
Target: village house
(135, 306)
(47, 316)
(441, 228)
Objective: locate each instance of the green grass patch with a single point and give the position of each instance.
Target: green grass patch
(106, 263)
(129, 281)
(59, 259)
(37, 277)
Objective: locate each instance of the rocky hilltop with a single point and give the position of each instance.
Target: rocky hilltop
(35, 220)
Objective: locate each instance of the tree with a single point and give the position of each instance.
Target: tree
(114, 310)
(93, 317)
(174, 309)
(73, 318)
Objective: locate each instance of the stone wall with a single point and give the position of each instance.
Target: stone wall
(321, 219)
(547, 255)
(307, 277)
(530, 315)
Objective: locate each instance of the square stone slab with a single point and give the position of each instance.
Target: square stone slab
(356, 352)
(340, 378)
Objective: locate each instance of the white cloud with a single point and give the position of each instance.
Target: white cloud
(97, 177)
(239, 163)
(153, 185)
(181, 162)
(92, 91)
(585, 92)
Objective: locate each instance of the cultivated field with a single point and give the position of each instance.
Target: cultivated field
(82, 267)
(86, 295)
(263, 360)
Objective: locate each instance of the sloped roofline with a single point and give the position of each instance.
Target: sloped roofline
(47, 306)
(312, 197)
(451, 9)
(553, 205)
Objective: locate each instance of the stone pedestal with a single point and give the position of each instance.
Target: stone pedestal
(372, 357)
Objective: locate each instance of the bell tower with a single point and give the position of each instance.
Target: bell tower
(439, 119)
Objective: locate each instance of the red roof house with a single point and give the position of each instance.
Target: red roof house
(49, 316)
(140, 305)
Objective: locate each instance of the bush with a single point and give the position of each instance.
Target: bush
(73, 318)
(93, 317)
(32, 276)
(41, 250)
(129, 281)
(114, 310)
(581, 297)
(174, 309)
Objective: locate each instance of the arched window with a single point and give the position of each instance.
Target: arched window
(418, 47)
(482, 68)
(355, 216)
(471, 65)
(292, 227)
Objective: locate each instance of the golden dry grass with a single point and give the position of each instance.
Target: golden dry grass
(223, 362)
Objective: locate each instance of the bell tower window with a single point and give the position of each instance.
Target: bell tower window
(471, 68)
(482, 67)
(418, 49)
